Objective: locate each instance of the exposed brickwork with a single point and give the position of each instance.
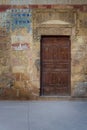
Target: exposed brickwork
(82, 8)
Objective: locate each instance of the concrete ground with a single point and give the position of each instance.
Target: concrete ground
(43, 115)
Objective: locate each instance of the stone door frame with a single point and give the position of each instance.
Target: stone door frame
(61, 29)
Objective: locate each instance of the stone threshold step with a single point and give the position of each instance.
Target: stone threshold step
(49, 98)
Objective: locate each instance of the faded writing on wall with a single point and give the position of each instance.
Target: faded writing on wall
(21, 18)
(19, 46)
(16, 18)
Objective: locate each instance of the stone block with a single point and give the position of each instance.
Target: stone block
(6, 81)
(80, 89)
(18, 69)
(17, 76)
(19, 84)
(21, 76)
(9, 93)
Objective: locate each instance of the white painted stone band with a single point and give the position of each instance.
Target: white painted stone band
(32, 2)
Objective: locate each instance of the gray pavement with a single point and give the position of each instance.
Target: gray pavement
(43, 115)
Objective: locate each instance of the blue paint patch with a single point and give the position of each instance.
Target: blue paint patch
(21, 18)
(17, 18)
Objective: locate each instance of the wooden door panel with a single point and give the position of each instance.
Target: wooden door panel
(64, 54)
(55, 65)
(48, 53)
(56, 78)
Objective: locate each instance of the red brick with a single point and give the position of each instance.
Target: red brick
(4, 7)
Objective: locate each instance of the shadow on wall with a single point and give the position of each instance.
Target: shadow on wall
(37, 64)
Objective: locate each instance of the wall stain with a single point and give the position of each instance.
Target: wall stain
(37, 64)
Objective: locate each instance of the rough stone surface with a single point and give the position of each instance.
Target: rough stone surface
(80, 89)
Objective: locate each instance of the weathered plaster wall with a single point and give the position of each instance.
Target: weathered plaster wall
(6, 79)
(16, 55)
(79, 57)
(21, 28)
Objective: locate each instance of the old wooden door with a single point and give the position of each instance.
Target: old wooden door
(55, 65)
